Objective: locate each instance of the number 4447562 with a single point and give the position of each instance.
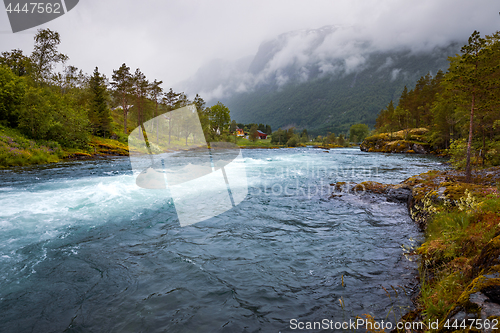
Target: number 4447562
(472, 324)
(35, 7)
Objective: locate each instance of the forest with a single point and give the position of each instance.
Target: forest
(47, 100)
(460, 108)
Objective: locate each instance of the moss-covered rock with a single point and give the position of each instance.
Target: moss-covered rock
(407, 141)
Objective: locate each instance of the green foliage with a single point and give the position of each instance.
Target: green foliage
(67, 107)
(303, 136)
(16, 150)
(492, 156)
(219, 118)
(122, 89)
(359, 132)
(18, 63)
(140, 87)
(12, 90)
(457, 152)
(279, 137)
(233, 126)
(329, 139)
(45, 54)
(293, 141)
(253, 134)
(460, 107)
(341, 141)
(99, 113)
(47, 115)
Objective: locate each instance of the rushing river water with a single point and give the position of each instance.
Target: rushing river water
(83, 249)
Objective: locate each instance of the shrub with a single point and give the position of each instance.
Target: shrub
(293, 141)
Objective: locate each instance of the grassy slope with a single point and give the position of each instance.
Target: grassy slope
(462, 239)
(17, 150)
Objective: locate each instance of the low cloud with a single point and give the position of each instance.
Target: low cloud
(296, 57)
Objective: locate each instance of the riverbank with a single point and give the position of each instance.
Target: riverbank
(17, 150)
(460, 258)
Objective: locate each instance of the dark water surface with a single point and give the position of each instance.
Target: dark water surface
(83, 249)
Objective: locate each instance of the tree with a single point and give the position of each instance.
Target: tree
(360, 131)
(37, 113)
(387, 120)
(469, 78)
(341, 140)
(122, 87)
(279, 137)
(72, 79)
(219, 118)
(45, 54)
(303, 136)
(233, 126)
(253, 135)
(12, 91)
(331, 138)
(155, 92)
(140, 86)
(203, 115)
(293, 141)
(99, 113)
(170, 99)
(16, 61)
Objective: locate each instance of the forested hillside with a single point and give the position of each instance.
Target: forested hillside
(45, 99)
(332, 103)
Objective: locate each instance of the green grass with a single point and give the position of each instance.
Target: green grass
(456, 237)
(242, 142)
(17, 150)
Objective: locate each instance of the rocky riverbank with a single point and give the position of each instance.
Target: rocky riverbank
(460, 258)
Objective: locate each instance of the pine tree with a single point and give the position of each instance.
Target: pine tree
(140, 86)
(99, 113)
(122, 85)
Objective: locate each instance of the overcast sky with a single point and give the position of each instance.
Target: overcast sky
(170, 39)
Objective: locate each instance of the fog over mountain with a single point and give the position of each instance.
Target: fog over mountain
(299, 56)
(351, 73)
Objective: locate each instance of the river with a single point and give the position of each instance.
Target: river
(82, 248)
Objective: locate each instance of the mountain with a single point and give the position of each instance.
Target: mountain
(323, 79)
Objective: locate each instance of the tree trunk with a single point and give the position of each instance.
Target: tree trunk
(469, 143)
(156, 120)
(125, 121)
(124, 106)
